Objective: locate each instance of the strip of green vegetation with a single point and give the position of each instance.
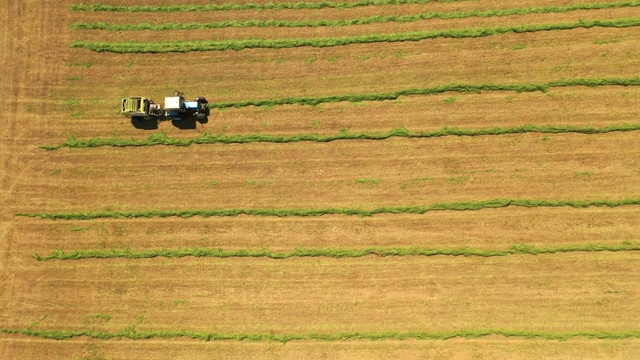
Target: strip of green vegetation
(461, 88)
(250, 6)
(457, 206)
(133, 334)
(207, 138)
(214, 45)
(348, 22)
(331, 253)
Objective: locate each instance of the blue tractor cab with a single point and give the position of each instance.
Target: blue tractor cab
(178, 109)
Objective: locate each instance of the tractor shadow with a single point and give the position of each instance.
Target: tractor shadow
(144, 124)
(190, 122)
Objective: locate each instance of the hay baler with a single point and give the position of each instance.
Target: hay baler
(140, 108)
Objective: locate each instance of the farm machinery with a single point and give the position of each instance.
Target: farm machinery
(143, 110)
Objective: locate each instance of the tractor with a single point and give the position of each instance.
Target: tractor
(177, 108)
(146, 114)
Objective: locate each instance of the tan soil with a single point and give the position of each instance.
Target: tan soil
(547, 293)
(318, 175)
(486, 229)
(486, 348)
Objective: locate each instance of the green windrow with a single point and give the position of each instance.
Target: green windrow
(207, 138)
(268, 6)
(348, 22)
(331, 253)
(224, 45)
(132, 333)
(459, 88)
(455, 206)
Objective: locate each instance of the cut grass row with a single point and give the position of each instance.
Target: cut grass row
(459, 88)
(348, 22)
(207, 138)
(250, 6)
(133, 334)
(224, 45)
(453, 206)
(520, 249)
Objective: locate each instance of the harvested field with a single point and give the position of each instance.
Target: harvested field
(457, 180)
(495, 348)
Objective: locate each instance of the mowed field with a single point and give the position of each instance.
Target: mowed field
(408, 179)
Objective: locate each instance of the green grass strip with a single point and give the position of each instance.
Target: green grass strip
(459, 88)
(457, 206)
(330, 253)
(250, 6)
(224, 45)
(133, 334)
(207, 138)
(348, 22)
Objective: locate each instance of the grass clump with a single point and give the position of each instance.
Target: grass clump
(367, 181)
(225, 45)
(350, 22)
(454, 206)
(518, 249)
(207, 138)
(104, 317)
